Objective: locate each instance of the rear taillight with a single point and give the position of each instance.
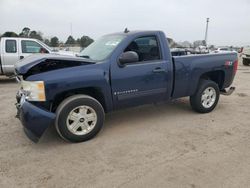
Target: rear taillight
(235, 66)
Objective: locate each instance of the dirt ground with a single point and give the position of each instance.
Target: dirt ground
(163, 145)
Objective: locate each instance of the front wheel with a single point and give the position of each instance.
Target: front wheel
(79, 118)
(206, 97)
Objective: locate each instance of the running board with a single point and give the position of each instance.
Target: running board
(227, 92)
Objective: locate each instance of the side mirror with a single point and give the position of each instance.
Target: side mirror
(128, 57)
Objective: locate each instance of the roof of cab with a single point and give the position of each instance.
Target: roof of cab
(14, 38)
(135, 32)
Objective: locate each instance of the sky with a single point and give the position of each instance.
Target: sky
(180, 19)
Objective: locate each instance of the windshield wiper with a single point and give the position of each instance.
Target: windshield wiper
(84, 56)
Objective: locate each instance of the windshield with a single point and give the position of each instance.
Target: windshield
(46, 46)
(101, 48)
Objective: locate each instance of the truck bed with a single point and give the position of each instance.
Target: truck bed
(188, 70)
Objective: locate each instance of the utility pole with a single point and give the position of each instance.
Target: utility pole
(206, 31)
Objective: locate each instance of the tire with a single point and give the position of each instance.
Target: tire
(206, 97)
(246, 62)
(79, 118)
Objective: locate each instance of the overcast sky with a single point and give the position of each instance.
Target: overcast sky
(181, 20)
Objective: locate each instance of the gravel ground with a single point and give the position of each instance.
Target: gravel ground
(163, 145)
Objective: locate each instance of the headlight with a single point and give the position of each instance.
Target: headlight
(34, 90)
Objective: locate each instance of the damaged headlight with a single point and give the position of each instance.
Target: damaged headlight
(33, 90)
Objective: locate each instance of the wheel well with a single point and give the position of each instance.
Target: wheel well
(216, 76)
(93, 92)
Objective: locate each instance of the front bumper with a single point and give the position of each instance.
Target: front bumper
(34, 119)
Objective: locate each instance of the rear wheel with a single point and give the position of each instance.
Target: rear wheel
(246, 62)
(206, 97)
(79, 118)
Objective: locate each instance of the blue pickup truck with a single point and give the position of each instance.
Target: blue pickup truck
(116, 71)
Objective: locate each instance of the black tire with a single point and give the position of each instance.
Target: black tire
(196, 99)
(67, 106)
(246, 62)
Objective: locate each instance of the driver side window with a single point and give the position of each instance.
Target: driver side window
(32, 47)
(147, 48)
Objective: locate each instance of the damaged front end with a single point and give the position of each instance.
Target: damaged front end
(31, 97)
(34, 119)
(36, 64)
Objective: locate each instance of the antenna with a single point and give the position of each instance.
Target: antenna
(126, 30)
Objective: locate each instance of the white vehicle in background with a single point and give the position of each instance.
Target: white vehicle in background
(246, 55)
(201, 50)
(14, 49)
(223, 50)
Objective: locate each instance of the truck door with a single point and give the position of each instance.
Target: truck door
(140, 82)
(10, 55)
(29, 47)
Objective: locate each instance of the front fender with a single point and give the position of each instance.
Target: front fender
(69, 79)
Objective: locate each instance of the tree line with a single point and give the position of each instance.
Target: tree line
(26, 32)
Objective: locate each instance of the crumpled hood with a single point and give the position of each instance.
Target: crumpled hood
(49, 60)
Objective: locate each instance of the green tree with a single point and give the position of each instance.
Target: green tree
(204, 43)
(47, 41)
(70, 40)
(78, 41)
(9, 34)
(54, 42)
(84, 41)
(25, 32)
(36, 35)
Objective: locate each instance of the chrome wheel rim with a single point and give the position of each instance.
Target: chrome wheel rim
(81, 120)
(208, 97)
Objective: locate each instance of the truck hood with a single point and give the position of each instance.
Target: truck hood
(47, 62)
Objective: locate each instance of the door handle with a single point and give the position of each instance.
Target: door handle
(159, 70)
(21, 57)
